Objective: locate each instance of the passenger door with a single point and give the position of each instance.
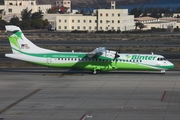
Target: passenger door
(49, 61)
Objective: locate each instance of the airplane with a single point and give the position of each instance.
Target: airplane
(97, 61)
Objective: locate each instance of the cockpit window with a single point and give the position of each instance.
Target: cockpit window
(161, 59)
(164, 59)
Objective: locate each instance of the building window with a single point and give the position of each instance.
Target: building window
(59, 27)
(84, 27)
(20, 4)
(101, 14)
(95, 21)
(90, 21)
(10, 10)
(84, 21)
(65, 21)
(106, 28)
(118, 14)
(112, 28)
(112, 14)
(59, 20)
(100, 28)
(78, 21)
(89, 27)
(118, 21)
(112, 21)
(10, 4)
(65, 27)
(72, 21)
(32, 3)
(78, 27)
(100, 21)
(106, 15)
(118, 28)
(73, 27)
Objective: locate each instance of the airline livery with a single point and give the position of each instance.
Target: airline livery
(97, 61)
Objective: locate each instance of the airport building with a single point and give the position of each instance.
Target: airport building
(101, 20)
(163, 23)
(16, 6)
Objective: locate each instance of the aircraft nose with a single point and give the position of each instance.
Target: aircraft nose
(171, 65)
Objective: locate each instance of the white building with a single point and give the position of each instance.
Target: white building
(104, 20)
(114, 19)
(67, 4)
(163, 23)
(13, 7)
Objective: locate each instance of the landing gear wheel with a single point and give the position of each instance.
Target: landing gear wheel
(94, 72)
(163, 72)
(98, 71)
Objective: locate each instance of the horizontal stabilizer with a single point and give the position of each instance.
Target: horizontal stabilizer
(12, 28)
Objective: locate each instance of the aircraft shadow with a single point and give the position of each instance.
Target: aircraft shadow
(72, 71)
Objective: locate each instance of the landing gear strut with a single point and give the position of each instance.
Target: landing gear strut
(163, 72)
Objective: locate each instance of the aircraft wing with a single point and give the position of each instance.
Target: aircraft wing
(96, 52)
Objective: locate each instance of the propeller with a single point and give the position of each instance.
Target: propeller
(116, 54)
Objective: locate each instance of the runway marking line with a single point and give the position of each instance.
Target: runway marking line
(85, 116)
(163, 96)
(128, 107)
(18, 101)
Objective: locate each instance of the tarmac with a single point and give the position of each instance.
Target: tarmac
(58, 95)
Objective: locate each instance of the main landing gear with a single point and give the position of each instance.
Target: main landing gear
(96, 71)
(163, 72)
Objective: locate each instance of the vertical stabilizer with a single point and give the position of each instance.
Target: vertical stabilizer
(20, 44)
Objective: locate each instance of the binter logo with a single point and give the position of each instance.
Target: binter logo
(140, 57)
(24, 46)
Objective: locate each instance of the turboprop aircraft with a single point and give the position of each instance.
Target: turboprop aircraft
(97, 61)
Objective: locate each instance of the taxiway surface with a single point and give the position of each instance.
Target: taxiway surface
(71, 96)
